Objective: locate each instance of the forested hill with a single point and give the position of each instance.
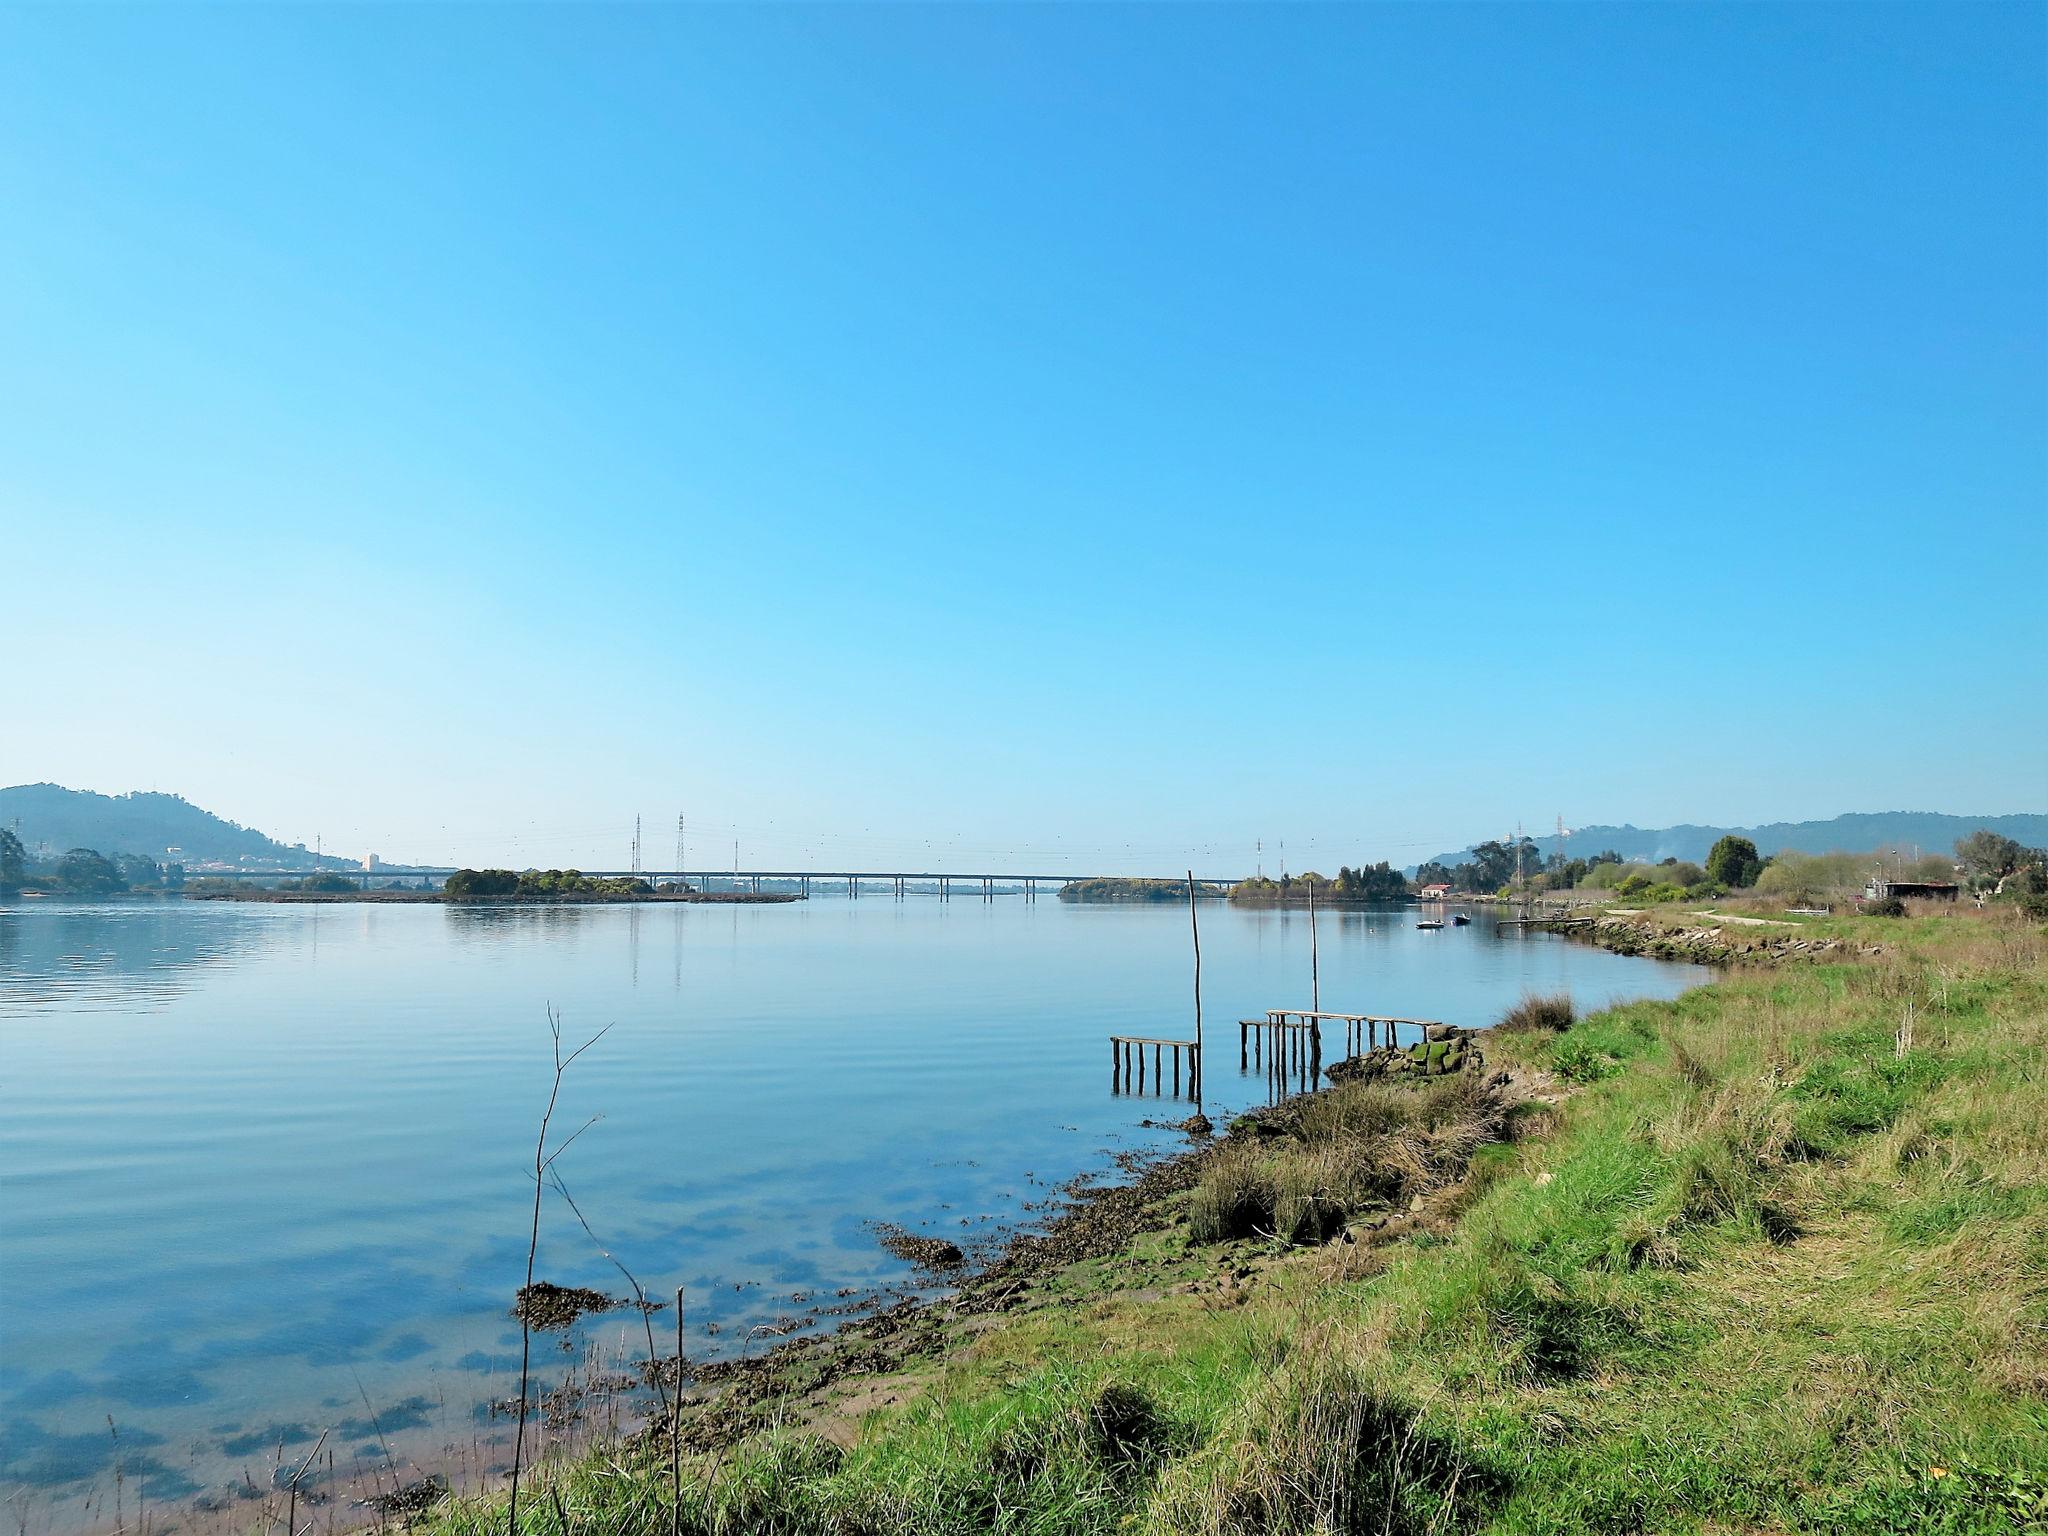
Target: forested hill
(144, 823)
(1854, 833)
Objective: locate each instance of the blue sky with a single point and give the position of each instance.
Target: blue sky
(1090, 437)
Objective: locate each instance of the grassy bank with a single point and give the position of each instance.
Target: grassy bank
(1771, 1257)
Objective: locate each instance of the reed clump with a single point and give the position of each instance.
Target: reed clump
(1353, 1147)
(1536, 1013)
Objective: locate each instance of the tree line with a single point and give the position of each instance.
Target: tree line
(81, 871)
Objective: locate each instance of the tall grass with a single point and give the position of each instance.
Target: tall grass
(1537, 1012)
(1347, 1149)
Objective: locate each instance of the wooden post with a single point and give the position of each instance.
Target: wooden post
(1195, 931)
(1315, 970)
(1158, 1077)
(1242, 1047)
(1176, 1071)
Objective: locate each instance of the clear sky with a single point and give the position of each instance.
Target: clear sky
(1082, 437)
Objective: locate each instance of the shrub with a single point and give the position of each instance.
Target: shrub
(481, 882)
(1581, 1061)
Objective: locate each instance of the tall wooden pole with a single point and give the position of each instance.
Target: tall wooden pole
(1315, 968)
(1195, 927)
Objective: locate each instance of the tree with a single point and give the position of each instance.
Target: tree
(481, 882)
(1433, 873)
(1987, 856)
(1377, 882)
(13, 861)
(1733, 862)
(83, 872)
(1493, 864)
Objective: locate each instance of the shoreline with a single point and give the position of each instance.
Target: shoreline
(1568, 1269)
(552, 899)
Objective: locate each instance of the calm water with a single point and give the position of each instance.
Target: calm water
(264, 1165)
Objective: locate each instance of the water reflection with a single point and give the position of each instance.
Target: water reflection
(121, 955)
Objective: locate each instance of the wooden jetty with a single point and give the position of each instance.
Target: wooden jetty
(1361, 1030)
(1127, 1064)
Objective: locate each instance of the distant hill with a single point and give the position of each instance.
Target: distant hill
(1854, 833)
(145, 823)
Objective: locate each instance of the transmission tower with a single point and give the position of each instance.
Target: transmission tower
(679, 845)
(636, 845)
(1563, 838)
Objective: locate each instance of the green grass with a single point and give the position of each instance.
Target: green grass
(1779, 1262)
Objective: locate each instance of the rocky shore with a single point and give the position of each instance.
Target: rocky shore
(1716, 941)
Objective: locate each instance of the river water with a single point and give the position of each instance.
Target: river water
(265, 1170)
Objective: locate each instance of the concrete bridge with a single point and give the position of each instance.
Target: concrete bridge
(858, 882)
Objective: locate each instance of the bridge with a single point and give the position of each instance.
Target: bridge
(898, 883)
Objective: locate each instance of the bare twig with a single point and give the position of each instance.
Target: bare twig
(646, 1310)
(540, 1163)
(675, 1432)
(291, 1518)
(390, 1465)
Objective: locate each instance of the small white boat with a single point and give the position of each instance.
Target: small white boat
(1430, 922)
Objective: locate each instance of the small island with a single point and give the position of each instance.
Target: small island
(1104, 889)
(1374, 885)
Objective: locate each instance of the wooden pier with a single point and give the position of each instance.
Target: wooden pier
(1287, 1044)
(1361, 1030)
(1127, 1064)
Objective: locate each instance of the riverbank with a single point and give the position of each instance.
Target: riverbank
(1728, 938)
(1768, 1257)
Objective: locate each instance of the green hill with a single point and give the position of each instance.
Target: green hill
(53, 817)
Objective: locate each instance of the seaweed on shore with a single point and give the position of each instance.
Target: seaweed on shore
(933, 1255)
(545, 1307)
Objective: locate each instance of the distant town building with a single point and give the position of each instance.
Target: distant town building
(370, 863)
(1434, 892)
(1878, 888)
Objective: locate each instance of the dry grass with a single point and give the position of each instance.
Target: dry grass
(1553, 1012)
(1354, 1147)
